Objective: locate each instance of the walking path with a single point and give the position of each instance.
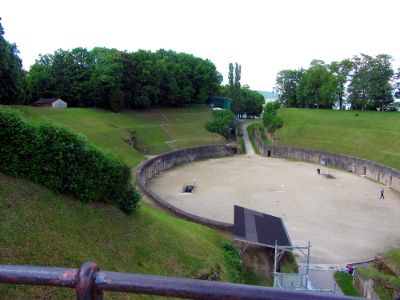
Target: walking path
(169, 143)
(249, 148)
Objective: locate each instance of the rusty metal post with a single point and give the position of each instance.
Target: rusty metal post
(84, 283)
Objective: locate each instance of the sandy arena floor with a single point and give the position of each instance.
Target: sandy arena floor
(343, 218)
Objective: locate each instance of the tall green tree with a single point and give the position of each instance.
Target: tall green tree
(370, 86)
(317, 88)
(358, 85)
(235, 89)
(341, 70)
(286, 85)
(10, 71)
(252, 102)
(380, 88)
(106, 77)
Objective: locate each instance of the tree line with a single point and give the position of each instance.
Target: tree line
(366, 82)
(114, 79)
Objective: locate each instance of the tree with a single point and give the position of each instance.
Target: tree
(397, 84)
(252, 102)
(235, 93)
(370, 86)
(380, 89)
(10, 71)
(342, 71)
(358, 85)
(317, 88)
(286, 85)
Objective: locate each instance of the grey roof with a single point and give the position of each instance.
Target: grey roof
(47, 101)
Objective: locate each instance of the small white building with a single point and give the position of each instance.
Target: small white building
(53, 102)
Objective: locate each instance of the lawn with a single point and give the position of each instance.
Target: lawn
(42, 229)
(370, 135)
(109, 130)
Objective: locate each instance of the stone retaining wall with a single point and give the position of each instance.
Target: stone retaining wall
(378, 172)
(175, 158)
(365, 286)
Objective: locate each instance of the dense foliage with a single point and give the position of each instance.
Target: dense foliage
(271, 121)
(364, 82)
(109, 78)
(223, 119)
(233, 261)
(11, 73)
(63, 162)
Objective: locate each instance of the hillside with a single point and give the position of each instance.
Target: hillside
(155, 131)
(42, 229)
(370, 135)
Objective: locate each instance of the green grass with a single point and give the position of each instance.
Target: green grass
(345, 282)
(42, 229)
(371, 135)
(109, 130)
(253, 278)
(393, 257)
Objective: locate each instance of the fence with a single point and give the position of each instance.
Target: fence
(90, 282)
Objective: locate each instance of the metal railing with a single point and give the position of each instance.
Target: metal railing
(90, 282)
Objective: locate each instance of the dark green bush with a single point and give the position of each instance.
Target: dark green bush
(221, 122)
(63, 161)
(232, 261)
(272, 122)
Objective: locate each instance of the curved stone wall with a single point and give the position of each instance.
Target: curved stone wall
(175, 158)
(378, 172)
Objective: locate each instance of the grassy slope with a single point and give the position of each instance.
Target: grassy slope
(371, 135)
(108, 130)
(42, 229)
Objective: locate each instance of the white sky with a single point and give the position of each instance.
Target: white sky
(262, 36)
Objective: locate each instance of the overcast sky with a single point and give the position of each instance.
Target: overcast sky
(264, 37)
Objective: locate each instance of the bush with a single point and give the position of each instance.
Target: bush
(221, 123)
(272, 122)
(233, 261)
(63, 161)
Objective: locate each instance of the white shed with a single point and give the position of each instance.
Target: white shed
(53, 102)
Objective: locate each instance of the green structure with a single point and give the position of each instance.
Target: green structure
(215, 101)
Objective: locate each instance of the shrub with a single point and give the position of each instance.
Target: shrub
(221, 122)
(233, 261)
(272, 122)
(63, 161)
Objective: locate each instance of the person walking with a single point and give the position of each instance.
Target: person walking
(382, 196)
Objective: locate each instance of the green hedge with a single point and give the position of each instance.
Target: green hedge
(63, 161)
(221, 122)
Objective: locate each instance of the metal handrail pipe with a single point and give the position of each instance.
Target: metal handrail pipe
(89, 282)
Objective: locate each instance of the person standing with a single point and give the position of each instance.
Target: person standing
(382, 196)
